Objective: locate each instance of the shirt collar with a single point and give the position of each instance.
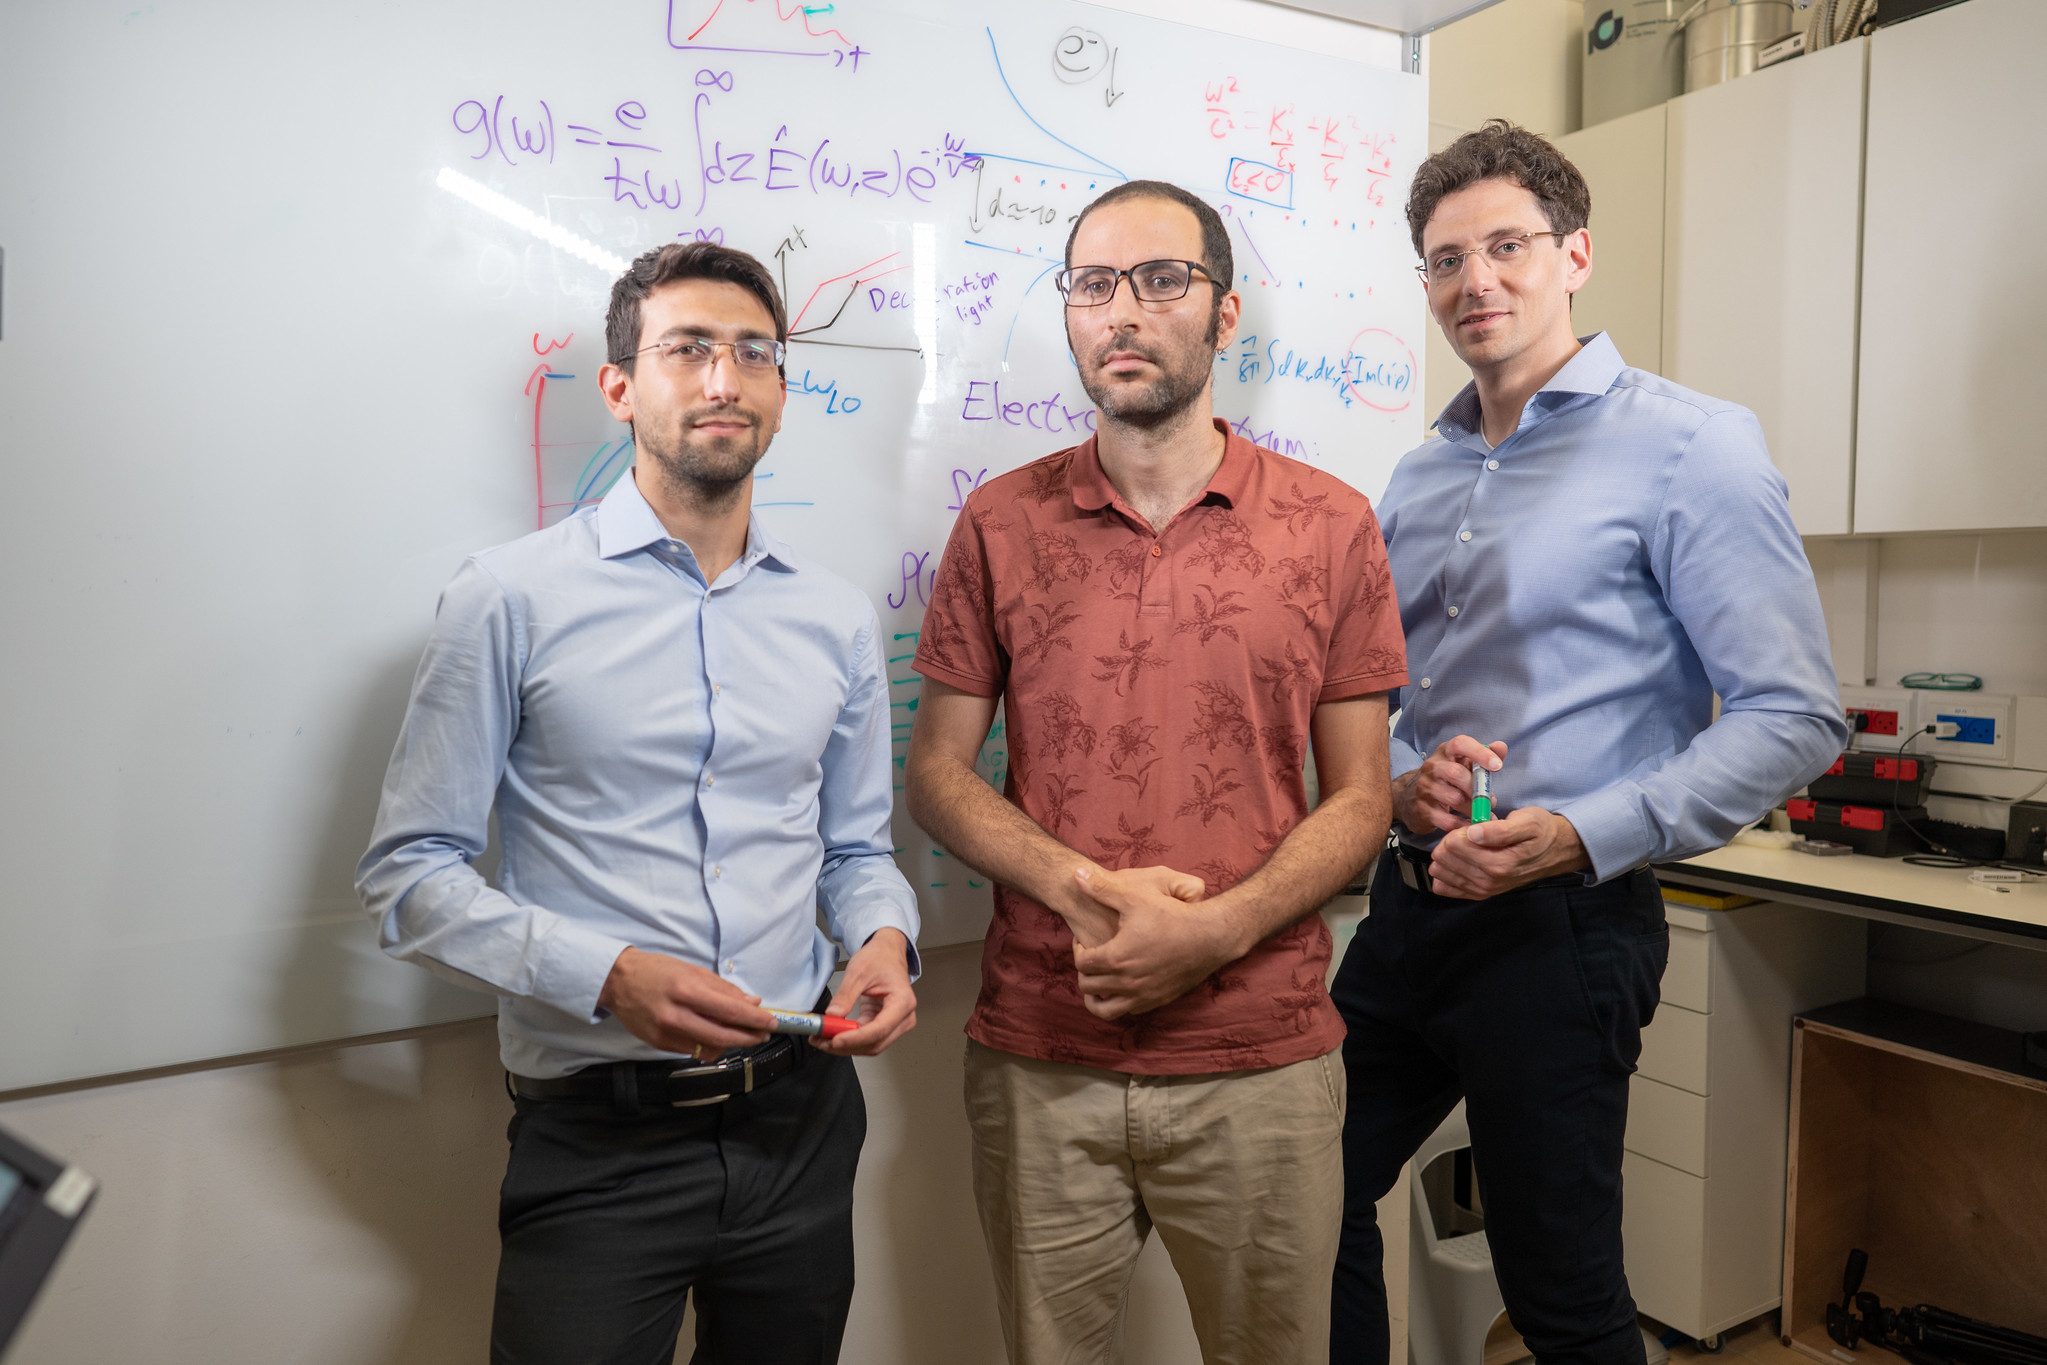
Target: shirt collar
(625, 524)
(1092, 490)
(1592, 370)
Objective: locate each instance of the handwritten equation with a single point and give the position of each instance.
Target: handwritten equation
(1333, 146)
(654, 163)
(1376, 370)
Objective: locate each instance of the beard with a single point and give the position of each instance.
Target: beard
(704, 469)
(1184, 371)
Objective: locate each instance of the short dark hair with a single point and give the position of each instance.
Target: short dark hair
(1216, 258)
(683, 261)
(1500, 151)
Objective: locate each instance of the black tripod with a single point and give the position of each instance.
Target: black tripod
(1925, 1335)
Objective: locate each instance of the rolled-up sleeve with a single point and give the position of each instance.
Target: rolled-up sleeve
(418, 881)
(860, 890)
(1731, 567)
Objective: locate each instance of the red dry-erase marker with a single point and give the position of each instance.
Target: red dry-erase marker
(811, 1025)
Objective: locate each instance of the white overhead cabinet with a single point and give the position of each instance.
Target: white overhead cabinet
(1759, 284)
(1953, 413)
(1844, 246)
(1622, 162)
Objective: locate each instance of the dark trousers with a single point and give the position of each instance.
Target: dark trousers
(609, 1221)
(1529, 1007)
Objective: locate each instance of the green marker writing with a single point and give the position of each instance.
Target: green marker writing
(1481, 795)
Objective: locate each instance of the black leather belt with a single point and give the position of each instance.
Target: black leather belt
(1414, 865)
(1415, 862)
(629, 1087)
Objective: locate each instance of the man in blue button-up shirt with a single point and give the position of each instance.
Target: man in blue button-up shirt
(1585, 556)
(684, 729)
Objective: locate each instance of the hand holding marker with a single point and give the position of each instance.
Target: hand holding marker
(802, 1025)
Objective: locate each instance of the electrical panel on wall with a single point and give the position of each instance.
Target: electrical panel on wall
(1986, 729)
(1884, 715)
(1974, 727)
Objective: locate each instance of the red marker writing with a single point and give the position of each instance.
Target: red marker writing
(811, 1025)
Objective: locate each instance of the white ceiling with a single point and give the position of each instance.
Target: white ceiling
(1404, 16)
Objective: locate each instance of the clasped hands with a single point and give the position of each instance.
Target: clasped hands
(1144, 937)
(679, 1007)
(1473, 862)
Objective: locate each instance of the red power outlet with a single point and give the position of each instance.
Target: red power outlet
(1880, 722)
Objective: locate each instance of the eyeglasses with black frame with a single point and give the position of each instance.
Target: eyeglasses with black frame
(1505, 253)
(1091, 286)
(688, 353)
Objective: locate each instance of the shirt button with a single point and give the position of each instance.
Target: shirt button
(1427, 683)
(1464, 535)
(719, 871)
(731, 964)
(1154, 552)
(717, 689)
(1453, 611)
(710, 780)
(1492, 464)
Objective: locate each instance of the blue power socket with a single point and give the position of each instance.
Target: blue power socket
(1973, 729)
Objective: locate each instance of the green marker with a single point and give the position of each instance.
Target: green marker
(1481, 795)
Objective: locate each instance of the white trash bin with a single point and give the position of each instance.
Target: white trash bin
(1452, 1297)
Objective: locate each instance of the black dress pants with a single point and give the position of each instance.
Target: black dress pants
(1529, 1007)
(609, 1221)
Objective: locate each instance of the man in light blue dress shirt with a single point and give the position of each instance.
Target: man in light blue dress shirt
(1585, 556)
(683, 727)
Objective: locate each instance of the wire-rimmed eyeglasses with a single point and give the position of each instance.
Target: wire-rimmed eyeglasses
(752, 353)
(1502, 253)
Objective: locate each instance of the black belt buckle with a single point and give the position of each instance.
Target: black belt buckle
(774, 1051)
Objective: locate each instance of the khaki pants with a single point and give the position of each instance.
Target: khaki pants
(1241, 1172)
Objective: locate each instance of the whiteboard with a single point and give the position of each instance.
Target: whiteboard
(302, 306)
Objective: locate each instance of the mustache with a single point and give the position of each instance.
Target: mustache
(723, 413)
(1102, 353)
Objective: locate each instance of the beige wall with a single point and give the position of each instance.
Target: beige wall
(1519, 60)
(334, 1207)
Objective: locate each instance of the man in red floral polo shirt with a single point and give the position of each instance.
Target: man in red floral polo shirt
(1171, 616)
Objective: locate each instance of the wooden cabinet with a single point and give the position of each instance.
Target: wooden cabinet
(1915, 1138)
(1952, 405)
(1759, 276)
(1703, 1206)
(1622, 162)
